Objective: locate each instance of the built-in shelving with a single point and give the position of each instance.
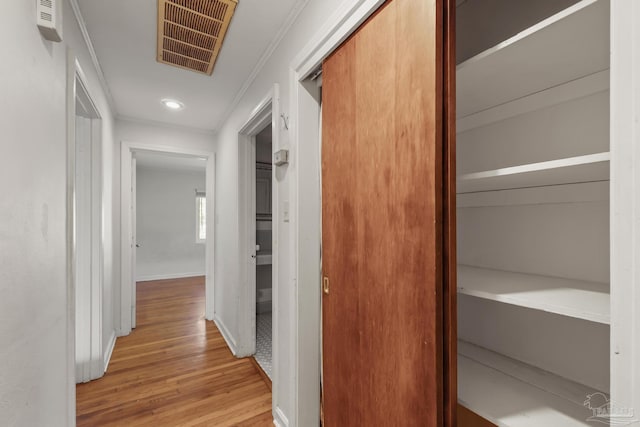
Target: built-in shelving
(567, 297)
(587, 168)
(567, 46)
(513, 394)
(532, 119)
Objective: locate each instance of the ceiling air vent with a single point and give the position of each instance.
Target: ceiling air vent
(191, 32)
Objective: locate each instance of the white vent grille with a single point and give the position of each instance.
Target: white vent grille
(49, 20)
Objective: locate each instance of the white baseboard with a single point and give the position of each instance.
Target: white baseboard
(279, 419)
(231, 343)
(168, 276)
(109, 352)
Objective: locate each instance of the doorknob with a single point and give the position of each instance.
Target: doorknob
(137, 245)
(325, 285)
(253, 256)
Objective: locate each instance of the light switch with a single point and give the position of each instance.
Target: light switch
(285, 211)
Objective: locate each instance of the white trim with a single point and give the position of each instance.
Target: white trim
(169, 276)
(279, 419)
(165, 125)
(231, 343)
(126, 286)
(70, 240)
(92, 368)
(625, 204)
(267, 110)
(305, 237)
(344, 21)
(284, 29)
(92, 52)
(109, 352)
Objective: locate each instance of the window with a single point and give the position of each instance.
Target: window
(201, 217)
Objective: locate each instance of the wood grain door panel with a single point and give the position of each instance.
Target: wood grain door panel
(382, 221)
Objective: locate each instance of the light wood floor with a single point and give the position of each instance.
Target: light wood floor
(174, 369)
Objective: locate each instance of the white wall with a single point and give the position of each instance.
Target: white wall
(158, 134)
(36, 367)
(276, 70)
(166, 224)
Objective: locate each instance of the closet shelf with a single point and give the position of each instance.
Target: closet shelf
(510, 393)
(264, 259)
(587, 168)
(567, 46)
(572, 298)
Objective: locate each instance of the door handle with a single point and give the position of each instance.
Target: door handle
(253, 256)
(137, 245)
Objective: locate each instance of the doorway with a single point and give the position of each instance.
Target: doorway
(264, 249)
(258, 138)
(202, 203)
(88, 234)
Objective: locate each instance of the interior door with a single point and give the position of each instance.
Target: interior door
(384, 209)
(134, 239)
(83, 264)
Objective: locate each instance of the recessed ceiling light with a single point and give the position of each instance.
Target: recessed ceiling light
(172, 104)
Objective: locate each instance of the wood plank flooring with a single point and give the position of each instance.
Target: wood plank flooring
(174, 369)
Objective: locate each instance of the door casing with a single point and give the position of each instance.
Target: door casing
(125, 314)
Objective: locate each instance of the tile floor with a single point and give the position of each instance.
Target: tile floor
(263, 342)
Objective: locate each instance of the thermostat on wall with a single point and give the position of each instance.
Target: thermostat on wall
(281, 157)
(49, 19)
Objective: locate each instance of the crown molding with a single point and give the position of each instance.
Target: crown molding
(284, 29)
(94, 58)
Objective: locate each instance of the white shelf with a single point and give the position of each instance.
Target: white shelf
(572, 298)
(567, 46)
(587, 168)
(511, 393)
(579, 88)
(263, 259)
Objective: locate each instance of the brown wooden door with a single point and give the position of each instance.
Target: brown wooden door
(387, 168)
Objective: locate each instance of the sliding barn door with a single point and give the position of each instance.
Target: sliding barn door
(384, 208)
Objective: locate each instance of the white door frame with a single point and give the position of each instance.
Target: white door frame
(265, 113)
(625, 205)
(305, 196)
(126, 276)
(90, 313)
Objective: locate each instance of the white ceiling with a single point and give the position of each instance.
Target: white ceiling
(154, 160)
(123, 33)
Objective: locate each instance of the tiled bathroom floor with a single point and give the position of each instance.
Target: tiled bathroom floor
(263, 342)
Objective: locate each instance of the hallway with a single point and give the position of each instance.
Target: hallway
(175, 369)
